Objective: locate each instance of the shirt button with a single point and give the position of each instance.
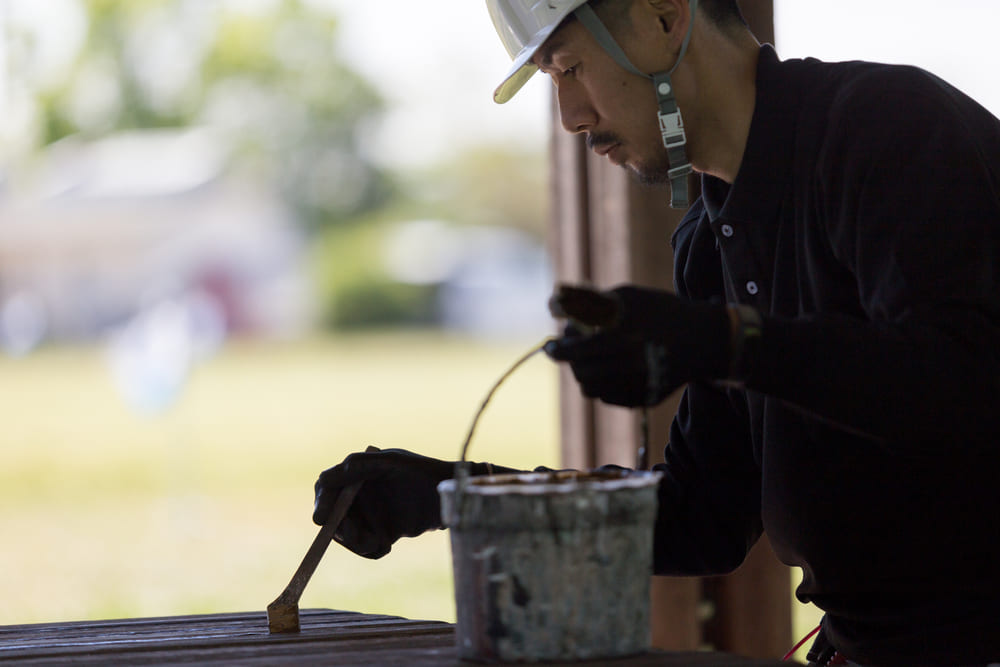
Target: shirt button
(727, 230)
(752, 288)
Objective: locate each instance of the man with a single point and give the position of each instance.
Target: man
(837, 321)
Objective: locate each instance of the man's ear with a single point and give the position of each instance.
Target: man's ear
(663, 24)
(672, 17)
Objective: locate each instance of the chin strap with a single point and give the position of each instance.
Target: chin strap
(671, 123)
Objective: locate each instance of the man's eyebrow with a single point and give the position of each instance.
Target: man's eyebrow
(543, 58)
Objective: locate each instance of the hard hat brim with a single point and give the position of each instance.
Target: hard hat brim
(523, 69)
(514, 82)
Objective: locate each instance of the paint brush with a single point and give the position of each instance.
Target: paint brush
(283, 613)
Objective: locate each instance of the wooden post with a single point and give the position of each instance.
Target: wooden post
(608, 230)
(753, 607)
(605, 230)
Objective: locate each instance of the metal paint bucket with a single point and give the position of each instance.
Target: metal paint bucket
(551, 566)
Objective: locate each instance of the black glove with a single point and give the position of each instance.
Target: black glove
(398, 497)
(654, 343)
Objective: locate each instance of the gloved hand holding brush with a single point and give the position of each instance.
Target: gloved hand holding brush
(398, 497)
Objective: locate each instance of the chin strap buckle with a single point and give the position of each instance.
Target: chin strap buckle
(674, 139)
(672, 130)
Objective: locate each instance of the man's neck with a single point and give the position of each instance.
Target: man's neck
(725, 95)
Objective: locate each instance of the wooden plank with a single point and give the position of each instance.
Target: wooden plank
(753, 611)
(674, 613)
(185, 638)
(328, 637)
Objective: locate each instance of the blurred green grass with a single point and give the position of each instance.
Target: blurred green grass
(206, 506)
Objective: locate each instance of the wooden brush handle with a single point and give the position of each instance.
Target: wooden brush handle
(293, 591)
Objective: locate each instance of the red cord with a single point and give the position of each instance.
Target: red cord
(801, 642)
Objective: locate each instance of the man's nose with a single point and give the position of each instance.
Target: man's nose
(575, 111)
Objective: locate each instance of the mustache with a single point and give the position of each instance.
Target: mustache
(595, 139)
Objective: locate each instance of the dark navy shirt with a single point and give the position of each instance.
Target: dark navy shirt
(864, 224)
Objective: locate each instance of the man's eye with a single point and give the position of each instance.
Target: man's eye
(570, 71)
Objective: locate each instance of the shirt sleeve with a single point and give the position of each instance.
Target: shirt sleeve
(709, 513)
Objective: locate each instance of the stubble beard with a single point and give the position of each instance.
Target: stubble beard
(653, 173)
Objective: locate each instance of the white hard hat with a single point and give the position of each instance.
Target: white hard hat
(523, 26)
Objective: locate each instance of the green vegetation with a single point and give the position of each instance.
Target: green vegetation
(206, 507)
(483, 187)
(268, 81)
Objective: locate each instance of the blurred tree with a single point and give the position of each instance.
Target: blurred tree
(265, 75)
(487, 185)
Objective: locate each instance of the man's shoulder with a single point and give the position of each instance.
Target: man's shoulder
(847, 110)
(876, 83)
(856, 90)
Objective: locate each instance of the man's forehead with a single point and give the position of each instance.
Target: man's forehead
(543, 57)
(558, 40)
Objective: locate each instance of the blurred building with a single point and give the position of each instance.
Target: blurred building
(95, 234)
(491, 282)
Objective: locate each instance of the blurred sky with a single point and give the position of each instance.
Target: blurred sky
(437, 61)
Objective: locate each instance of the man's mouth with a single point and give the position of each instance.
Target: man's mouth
(606, 144)
(601, 142)
(604, 149)
(613, 152)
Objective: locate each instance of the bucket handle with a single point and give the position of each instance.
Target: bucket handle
(462, 466)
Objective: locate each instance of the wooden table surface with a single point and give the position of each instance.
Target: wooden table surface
(328, 637)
